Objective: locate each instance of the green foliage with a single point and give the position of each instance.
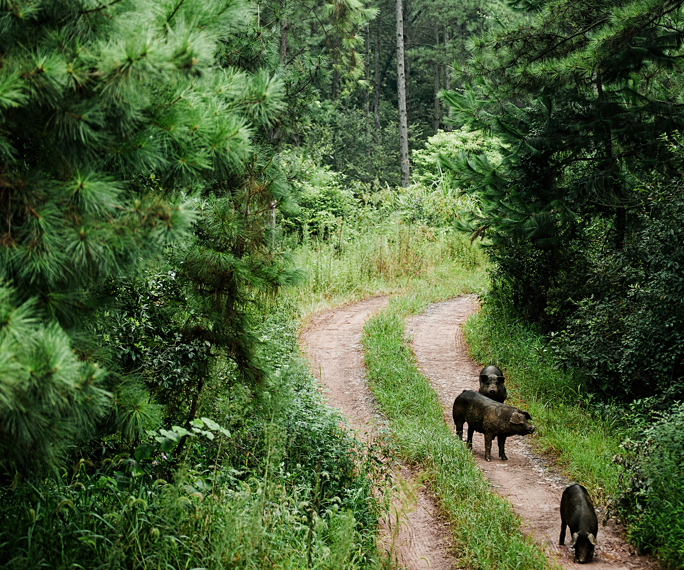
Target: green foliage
(447, 146)
(321, 194)
(228, 265)
(108, 111)
(336, 137)
(578, 210)
(315, 48)
(97, 520)
(629, 334)
(437, 206)
(653, 485)
(48, 396)
(286, 487)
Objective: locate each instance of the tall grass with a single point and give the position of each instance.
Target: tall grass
(194, 522)
(365, 258)
(485, 531)
(581, 436)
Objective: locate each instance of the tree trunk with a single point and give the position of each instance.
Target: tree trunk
(366, 93)
(406, 33)
(283, 34)
(436, 117)
(401, 93)
(447, 75)
(376, 84)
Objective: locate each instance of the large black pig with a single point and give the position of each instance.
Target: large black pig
(492, 384)
(578, 513)
(484, 415)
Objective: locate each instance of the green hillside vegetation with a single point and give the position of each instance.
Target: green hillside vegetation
(184, 182)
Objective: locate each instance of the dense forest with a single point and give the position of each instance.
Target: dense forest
(179, 177)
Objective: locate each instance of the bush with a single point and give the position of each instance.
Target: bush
(626, 327)
(436, 207)
(427, 167)
(652, 502)
(321, 193)
(104, 520)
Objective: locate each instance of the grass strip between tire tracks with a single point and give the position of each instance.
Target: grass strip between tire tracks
(486, 532)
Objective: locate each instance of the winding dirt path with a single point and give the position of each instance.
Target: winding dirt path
(332, 342)
(526, 480)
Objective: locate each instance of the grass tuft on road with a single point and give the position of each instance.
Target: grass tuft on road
(486, 533)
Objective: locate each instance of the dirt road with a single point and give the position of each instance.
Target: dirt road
(528, 482)
(332, 342)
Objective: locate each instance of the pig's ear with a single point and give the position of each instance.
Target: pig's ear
(499, 378)
(574, 539)
(517, 418)
(592, 539)
(528, 416)
(483, 378)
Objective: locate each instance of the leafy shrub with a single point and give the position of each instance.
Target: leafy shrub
(105, 520)
(626, 329)
(652, 502)
(144, 337)
(321, 193)
(427, 162)
(289, 487)
(438, 206)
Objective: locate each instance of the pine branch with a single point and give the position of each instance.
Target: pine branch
(584, 31)
(180, 3)
(99, 8)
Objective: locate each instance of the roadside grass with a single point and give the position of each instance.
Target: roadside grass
(356, 261)
(485, 531)
(580, 437)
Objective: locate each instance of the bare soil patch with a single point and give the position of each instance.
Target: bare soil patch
(528, 481)
(332, 342)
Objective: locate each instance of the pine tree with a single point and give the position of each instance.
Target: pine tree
(582, 104)
(96, 97)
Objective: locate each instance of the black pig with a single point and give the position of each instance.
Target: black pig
(491, 418)
(578, 513)
(492, 384)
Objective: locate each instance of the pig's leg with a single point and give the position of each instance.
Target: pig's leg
(561, 540)
(488, 446)
(502, 444)
(459, 430)
(471, 431)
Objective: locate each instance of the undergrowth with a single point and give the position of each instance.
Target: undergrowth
(485, 531)
(349, 261)
(288, 488)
